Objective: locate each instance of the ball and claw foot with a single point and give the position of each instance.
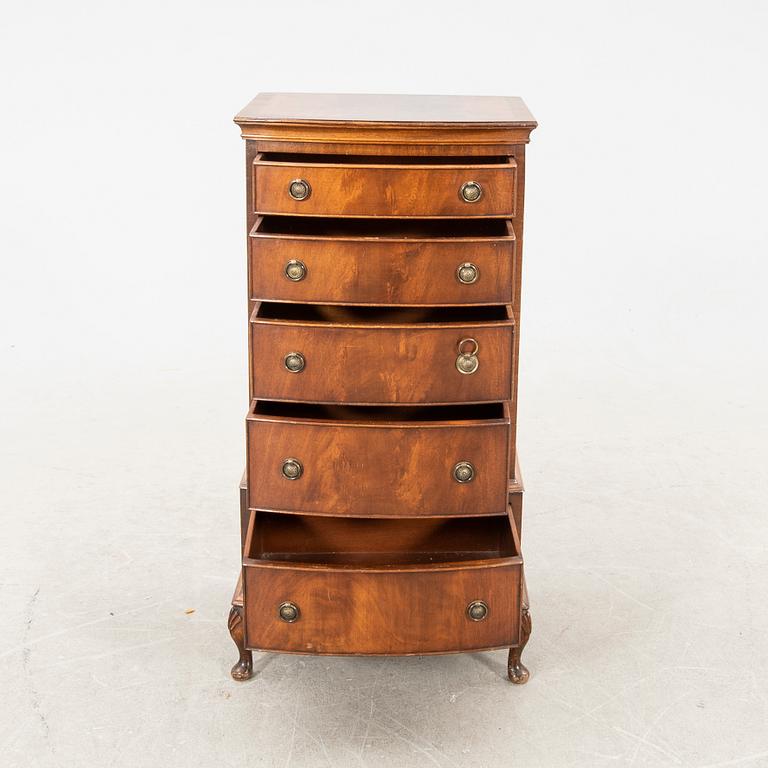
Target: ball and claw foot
(243, 670)
(517, 671)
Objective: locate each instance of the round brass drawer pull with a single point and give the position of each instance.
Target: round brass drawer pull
(295, 270)
(477, 610)
(299, 189)
(292, 469)
(288, 612)
(470, 192)
(464, 472)
(467, 273)
(294, 362)
(467, 362)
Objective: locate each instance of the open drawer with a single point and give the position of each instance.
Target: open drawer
(349, 185)
(378, 356)
(382, 261)
(356, 586)
(385, 462)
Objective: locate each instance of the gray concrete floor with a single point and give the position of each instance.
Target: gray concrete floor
(645, 542)
(643, 415)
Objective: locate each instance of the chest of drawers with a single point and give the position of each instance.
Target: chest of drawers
(381, 506)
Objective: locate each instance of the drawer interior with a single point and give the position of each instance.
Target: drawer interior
(277, 537)
(376, 315)
(394, 229)
(295, 158)
(380, 413)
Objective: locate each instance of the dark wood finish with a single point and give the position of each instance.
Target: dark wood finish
(396, 263)
(407, 121)
(316, 140)
(517, 671)
(381, 587)
(243, 506)
(372, 542)
(357, 356)
(516, 490)
(407, 611)
(519, 227)
(383, 189)
(243, 669)
(388, 110)
(376, 543)
(379, 465)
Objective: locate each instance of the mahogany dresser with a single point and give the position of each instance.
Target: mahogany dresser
(382, 501)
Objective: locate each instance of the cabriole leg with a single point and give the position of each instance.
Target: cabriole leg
(244, 667)
(517, 671)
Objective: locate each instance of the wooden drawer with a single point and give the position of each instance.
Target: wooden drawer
(348, 185)
(378, 461)
(380, 587)
(368, 356)
(360, 261)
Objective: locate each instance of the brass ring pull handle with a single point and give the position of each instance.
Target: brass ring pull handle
(467, 273)
(294, 362)
(295, 270)
(288, 612)
(470, 192)
(464, 472)
(292, 469)
(477, 610)
(467, 361)
(299, 189)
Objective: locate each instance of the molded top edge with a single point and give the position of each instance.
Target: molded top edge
(386, 110)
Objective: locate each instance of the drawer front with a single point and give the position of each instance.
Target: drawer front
(400, 272)
(346, 611)
(379, 364)
(377, 471)
(384, 190)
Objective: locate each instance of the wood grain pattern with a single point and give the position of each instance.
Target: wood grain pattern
(408, 121)
(378, 362)
(243, 668)
(422, 143)
(390, 110)
(384, 190)
(518, 223)
(362, 467)
(376, 542)
(375, 265)
(382, 611)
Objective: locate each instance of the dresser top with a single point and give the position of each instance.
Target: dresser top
(386, 110)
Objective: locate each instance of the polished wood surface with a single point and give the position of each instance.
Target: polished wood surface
(410, 611)
(389, 110)
(375, 548)
(372, 262)
(401, 610)
(382, 466)
(452, 124)
(361, 357)
(384, 190)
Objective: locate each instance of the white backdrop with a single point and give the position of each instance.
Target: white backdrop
(643, 378)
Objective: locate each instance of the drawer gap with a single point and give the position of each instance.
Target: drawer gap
(312, 539)
(388, 160)
(383, 229)
(381, 413)
(329, 313)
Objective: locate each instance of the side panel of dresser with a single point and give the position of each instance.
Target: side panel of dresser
(518, 221)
